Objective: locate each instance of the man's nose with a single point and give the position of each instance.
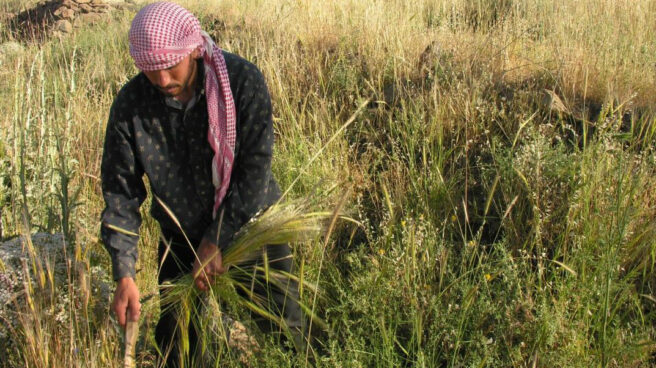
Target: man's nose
(163, 78)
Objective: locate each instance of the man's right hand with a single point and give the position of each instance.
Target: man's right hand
(126, 303)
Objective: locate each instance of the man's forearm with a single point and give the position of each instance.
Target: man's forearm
(122, 250)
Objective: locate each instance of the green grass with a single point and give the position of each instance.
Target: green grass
(496, 231)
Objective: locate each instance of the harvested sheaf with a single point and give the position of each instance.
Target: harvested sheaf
(282, 223)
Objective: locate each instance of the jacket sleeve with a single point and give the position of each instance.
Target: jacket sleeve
(249, 190)
(124, 191)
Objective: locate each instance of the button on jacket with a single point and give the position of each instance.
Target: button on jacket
(149, 133)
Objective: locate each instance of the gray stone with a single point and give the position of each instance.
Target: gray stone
(47, 260)
(64, 26)
(14, 251)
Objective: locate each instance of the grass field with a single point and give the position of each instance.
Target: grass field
(502, 167)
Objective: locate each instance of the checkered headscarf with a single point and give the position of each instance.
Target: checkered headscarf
(162, 35)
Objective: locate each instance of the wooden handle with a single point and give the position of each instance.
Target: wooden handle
(131, 334)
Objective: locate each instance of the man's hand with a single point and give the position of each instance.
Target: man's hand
(126, 303)
(209, 255)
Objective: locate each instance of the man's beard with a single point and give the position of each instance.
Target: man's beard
(180, 87)
(169, 94)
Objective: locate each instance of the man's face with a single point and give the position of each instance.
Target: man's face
(177, 79)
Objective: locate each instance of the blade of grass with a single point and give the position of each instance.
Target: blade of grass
(331, 227)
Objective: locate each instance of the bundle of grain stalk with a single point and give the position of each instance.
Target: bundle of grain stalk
(247, 264)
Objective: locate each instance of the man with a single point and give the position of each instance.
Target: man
(197, 122)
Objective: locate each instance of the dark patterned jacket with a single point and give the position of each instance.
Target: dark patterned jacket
(148, 133)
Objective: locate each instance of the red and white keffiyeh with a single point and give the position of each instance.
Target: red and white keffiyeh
(163, 34)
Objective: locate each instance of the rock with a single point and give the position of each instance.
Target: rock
(390, 94)
(11, 48)
(120, 6)
(90, 17)
(15, 252)
(50, 268)
(6, 15)
(64, 13)
(70, 4)
(11, 251)
(550, 101)
(239, 339)
(47, 19)
(428, 58)
(64, 26)
(86, 8)
(68, 13)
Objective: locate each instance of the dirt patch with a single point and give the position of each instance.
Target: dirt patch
(57, 17)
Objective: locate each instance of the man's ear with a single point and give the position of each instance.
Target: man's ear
(196, 53)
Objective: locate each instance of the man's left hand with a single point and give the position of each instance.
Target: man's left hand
(209, 255)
